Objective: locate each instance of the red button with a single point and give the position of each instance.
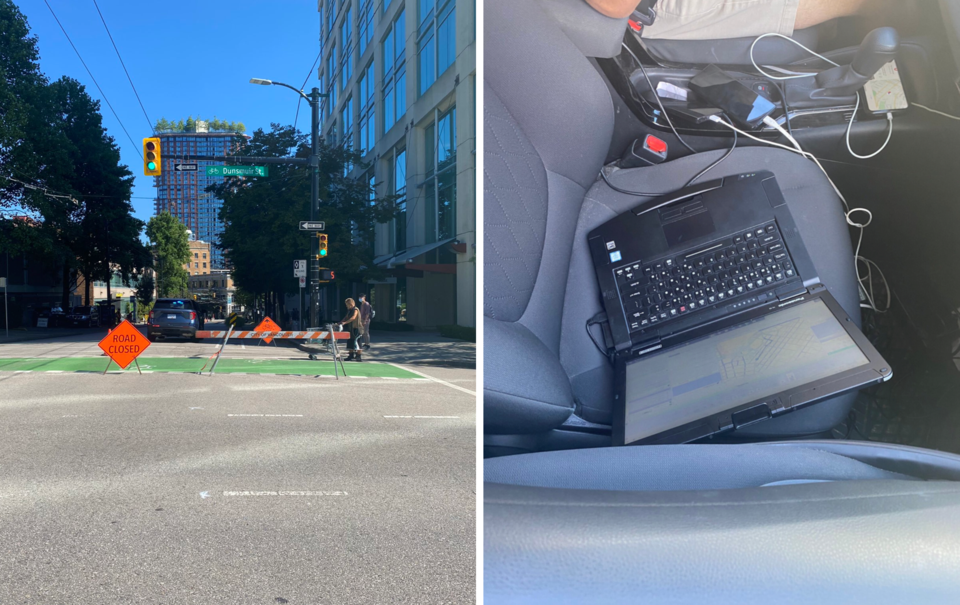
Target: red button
(655, 145)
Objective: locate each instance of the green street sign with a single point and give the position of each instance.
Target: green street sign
(237, 171)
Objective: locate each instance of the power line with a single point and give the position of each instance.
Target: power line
(299, 99)
(137, 149)
(129, 79)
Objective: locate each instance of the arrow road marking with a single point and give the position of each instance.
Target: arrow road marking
(204, 495)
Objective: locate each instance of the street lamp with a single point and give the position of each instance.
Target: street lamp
(314, 162)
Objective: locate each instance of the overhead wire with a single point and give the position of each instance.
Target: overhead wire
(79, 56)
(129, 79)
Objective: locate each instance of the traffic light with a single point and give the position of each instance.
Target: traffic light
(323, 244)
(151, 156)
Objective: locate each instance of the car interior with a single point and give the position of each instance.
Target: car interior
(851, 499)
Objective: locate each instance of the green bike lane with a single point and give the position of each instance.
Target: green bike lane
(193, 365)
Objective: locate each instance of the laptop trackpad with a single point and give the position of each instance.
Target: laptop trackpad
(688, 228)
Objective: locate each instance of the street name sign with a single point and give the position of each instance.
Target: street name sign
(185, 167)
(300, 268)
(237, 171)
(124, 344)
(312, 225)
(267, 325)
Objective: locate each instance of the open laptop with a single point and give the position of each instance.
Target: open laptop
(717, 315)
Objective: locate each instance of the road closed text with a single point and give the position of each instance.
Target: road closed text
(124, 344)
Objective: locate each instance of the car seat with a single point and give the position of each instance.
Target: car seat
(548, 124)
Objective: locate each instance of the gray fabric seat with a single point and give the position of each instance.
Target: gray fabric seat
(548, 124)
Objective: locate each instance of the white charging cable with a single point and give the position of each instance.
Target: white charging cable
(789, 39)
(855, 109)
(865, 281)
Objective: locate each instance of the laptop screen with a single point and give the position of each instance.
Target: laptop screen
(792, 347)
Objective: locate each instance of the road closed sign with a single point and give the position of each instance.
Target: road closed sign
(124, 344)
(267, 325)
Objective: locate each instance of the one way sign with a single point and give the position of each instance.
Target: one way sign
(187, 167)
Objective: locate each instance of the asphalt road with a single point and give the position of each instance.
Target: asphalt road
(179, 488)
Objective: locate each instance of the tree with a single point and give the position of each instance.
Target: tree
(191, 125)
(145, 288)
(261, 239)
(171, 249)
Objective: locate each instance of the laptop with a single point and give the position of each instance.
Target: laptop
(717, 316)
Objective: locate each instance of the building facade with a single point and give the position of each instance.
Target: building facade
(401, 79)
(183, 193)
(201, 258)
(215, 290)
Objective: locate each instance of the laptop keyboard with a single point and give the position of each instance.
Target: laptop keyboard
(733, 269)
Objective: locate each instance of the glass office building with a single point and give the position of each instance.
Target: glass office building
(401, 75)
(183, 193)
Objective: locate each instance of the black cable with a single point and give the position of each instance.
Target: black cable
(594, 340)
(637, 193)
(137, 149)
(783, 100)
(129, 79)
(659, 102)
(714, 165)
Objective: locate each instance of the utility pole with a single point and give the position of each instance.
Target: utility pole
(314, 276)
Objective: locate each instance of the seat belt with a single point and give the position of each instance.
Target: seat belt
(644, 15)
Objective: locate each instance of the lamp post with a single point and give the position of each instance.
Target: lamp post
(314, 162)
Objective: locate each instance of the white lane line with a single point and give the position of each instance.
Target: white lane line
(421, 417)
(265, 415)
(390, 378)
(443, 382)
(287, 493)
(276, 387)
(54, 371)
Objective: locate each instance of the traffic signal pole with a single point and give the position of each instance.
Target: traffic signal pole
(314, 274)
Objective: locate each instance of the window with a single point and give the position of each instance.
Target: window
(367, 112)
(204, 255)
(346, 121)
(394, 73)
(332, 78)
(440, 188)
(331, 14)
(195, 255)
(400, 189)
(346, 49)
(204, 265)
(436, 40)
(365, 25)
(196, 265)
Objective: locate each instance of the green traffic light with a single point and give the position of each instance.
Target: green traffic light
(323, 253)
(152, 165)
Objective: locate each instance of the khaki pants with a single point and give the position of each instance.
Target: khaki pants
(720, 19)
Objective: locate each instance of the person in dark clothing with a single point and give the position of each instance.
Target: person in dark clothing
(366, 316)
(351, 323)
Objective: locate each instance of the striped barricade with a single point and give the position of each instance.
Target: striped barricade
(304, 335)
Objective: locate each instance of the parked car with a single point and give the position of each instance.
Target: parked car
(174, 318)
(83, 317)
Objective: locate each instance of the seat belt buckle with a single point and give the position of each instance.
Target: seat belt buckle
(644, 16)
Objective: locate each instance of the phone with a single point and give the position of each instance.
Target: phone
(697, 115)
(740, 103)
(884, 92)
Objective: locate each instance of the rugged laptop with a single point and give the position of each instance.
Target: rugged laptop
(717, 315)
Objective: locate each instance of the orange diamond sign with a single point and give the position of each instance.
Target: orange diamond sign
(124, 344)
(267, 325)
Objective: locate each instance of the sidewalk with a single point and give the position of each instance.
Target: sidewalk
(420, 349)
(21, 335)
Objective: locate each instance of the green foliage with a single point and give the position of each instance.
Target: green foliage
(459, 332)
(260, 237)
(145, 289)
(171, 248)
(214, 125)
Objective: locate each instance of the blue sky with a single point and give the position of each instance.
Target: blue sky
(185, 58)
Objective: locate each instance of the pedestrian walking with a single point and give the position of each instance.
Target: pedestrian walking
(351, 323)
(366, 316)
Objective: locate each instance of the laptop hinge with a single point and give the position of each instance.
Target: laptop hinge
(648, 346)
